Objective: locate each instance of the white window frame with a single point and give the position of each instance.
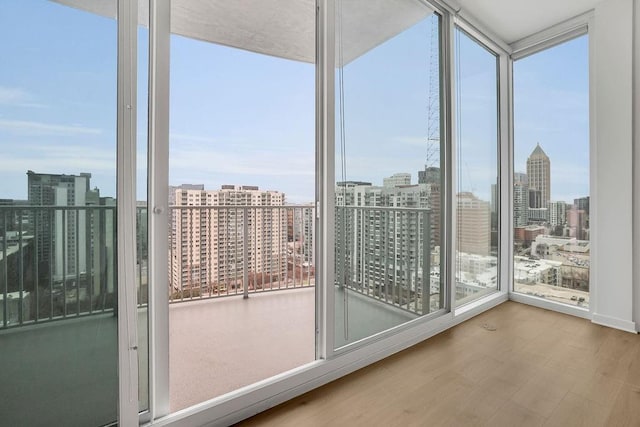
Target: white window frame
(535, 43)
(502, 53)
(127, 24)
(330, 365)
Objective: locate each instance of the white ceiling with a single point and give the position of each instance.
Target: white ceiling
(282, 28)
(285, 27)
(512, 20)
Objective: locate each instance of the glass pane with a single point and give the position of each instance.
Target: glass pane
(551, 181)
(241, 174)
(388, 168)
(142, 236)
(58, 314)
(476, 83)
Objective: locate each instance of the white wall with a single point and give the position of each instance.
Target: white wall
(612, 165)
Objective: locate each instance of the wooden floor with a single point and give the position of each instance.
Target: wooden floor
(514, 365)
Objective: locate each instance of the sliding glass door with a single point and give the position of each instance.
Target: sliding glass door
(162, 204)
(477, 185)
(389, 168)
(58, 245)
(241, 195)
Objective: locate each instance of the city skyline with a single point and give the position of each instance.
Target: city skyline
(50, 123)
(568, 198)
(551, 107)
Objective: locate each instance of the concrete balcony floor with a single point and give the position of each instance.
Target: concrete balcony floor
(65, 372)
(219, 345)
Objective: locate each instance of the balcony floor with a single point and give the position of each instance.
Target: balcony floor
(220, 345)
(216, 346)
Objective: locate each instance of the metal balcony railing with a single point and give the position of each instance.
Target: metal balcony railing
(385, 253)
(61, 262)
(56, 262)
(218, 251)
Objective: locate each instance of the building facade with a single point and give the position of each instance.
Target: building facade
(213, 233)
(384, 238)
(557, 214)
(473, 225)
(539, 178)
(63, 235)
(520, 200)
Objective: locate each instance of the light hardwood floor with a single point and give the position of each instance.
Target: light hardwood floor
(536, 368)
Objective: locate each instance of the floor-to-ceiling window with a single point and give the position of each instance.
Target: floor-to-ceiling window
(241, 195)
(242, 205)
(58, 246)
(476, 161)
(551, 174)
(389, 168)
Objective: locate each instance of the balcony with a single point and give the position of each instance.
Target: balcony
(61, 327)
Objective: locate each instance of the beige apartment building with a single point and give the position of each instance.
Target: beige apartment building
(474, 225)
(213, 233)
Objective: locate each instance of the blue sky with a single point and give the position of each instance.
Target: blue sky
(476, 116)
(551, 106)
(57, 94)
(386, 94)
(243, 118)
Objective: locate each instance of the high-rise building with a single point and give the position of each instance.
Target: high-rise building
(301, 223)
(430, 175)
(538, 215)
(14, 219)
(397, 179)
(215, 232)
(105, 243)
(473, 224)
(382, 249)
(494, 206)
(520, 200)
(61, 236)
(539, 178)
(577, 223)
(582, 204)
(557, 214)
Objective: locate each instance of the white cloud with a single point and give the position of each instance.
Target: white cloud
(39, 128)
(420, 141)
(9, 95)
(60, 158)
(17, 97)
(190, 160)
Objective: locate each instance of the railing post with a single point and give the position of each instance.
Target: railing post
(78, 215)
(5, 272)
(245, 254)
(65, 222)
(426, 263)
(414, 283)
(20, 272)
(36, 266)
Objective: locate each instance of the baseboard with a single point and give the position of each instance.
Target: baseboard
(550, 305)
(614, 322)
